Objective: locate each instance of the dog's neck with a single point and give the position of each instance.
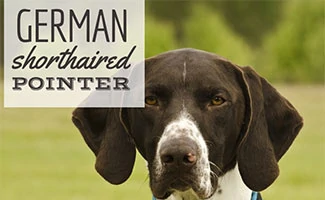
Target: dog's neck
(231, 186)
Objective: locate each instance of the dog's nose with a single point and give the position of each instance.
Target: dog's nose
(179, 153)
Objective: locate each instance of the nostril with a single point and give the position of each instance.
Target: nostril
(190, 158)
(182, 154)
(167, 159)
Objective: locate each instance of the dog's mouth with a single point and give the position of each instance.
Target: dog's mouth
(167, 186)
(180, 185)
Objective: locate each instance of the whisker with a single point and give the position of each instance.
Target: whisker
(214, 175)
(209, 143)
(146, 179)
(216, 167)
(157, 138)
(144, 182)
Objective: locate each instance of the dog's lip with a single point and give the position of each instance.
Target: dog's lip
(163, 187)
(169, 192)
(180, 185)
(163, 195)
(168, 187)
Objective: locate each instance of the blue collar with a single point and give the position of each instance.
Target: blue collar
(254, 196)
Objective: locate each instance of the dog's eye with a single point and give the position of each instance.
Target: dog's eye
(217, 101)
(151, 100)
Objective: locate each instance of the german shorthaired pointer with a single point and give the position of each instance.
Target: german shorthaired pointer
(209, 130)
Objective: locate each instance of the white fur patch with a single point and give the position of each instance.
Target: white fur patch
(184, 126)
(184, 72)
(232, 187)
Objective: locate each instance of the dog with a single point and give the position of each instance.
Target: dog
(210, 129)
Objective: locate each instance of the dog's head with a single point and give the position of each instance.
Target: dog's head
(203, 115)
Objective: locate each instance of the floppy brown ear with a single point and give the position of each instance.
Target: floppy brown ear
(272, 124)
(106, 136)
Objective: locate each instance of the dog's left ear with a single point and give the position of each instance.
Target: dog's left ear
(271, 125)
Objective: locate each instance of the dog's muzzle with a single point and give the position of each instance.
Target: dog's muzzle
(181, 161)
(178, 158)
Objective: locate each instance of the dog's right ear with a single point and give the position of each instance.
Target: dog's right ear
(106, 136)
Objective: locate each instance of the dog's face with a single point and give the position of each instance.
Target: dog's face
(203, 115)
(191, 118)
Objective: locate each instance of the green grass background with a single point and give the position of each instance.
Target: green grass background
(42, 156)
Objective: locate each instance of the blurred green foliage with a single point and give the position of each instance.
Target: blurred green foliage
(251, 19)
(282, 40)
(295, 51)
(159, 37)
(206, 30)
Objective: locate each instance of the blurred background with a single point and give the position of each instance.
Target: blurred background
(42, 155)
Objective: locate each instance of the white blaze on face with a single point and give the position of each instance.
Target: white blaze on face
(185, 126)
(184, 72)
